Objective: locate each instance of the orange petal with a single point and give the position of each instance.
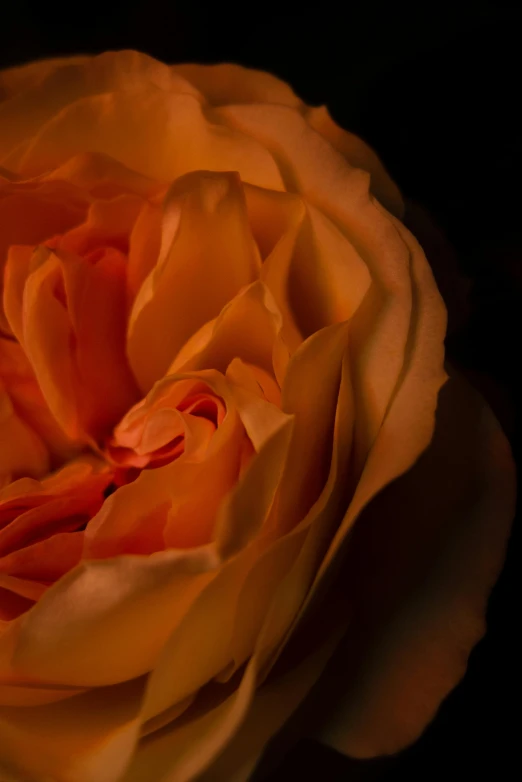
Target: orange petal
(88, 737)
(22, 77)
(248, 328)
(327, 278)
(106, 621)
(144, 248)
(421, 589)
(272, 705)
(31, 694)
(232, 83)
(22, 452)
(207, 256)
(17, 375)
(409, 419)
(244, 511)
(360, 155)
(35, 101)
(49, 350)
(380, 327)
(96, 124)
(317, 367)
(32, 212)
(102, 177)
(96, 306)
(47, 560)
(108, 223)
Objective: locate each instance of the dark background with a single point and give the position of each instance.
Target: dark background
(437, 92)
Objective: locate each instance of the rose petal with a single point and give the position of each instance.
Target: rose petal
(248, 328)
(18, 377)
(270, 707)
(107, 620)
(78, 359)
(360, 155)
(424, 607)
(207, 256)
(232, 83)
(327, 278)
(22, 452)
(102, 177)
(58, 83)
(315, 367)
(46, 560)
(22, 77)
(94, 124)
(85, 738)
(49, 349)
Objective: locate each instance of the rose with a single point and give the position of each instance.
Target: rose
(219, 344)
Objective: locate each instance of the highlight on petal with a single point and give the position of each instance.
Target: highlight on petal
(419, 612)
(41, 529)
(207, 256)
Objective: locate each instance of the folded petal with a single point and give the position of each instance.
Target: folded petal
(248, 328)
(381, 325)
(434, 543)
(156, 116)
(232, 83)
(207, 256)
(358, 154)
(33, 100)
(22, 452)
(106, 621)
(18, 377)
(84, 738)
(317, 367)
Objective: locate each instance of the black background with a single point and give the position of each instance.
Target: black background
(437, 92)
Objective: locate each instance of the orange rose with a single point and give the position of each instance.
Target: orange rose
(218, 344)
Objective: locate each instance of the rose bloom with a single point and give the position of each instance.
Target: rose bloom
(218, 345)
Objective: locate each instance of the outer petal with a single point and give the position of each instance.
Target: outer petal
(434, 543)
(34, 99)
(267, 712)
(231, 83)
(85, 738)
(358, 154)
(98, 124)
